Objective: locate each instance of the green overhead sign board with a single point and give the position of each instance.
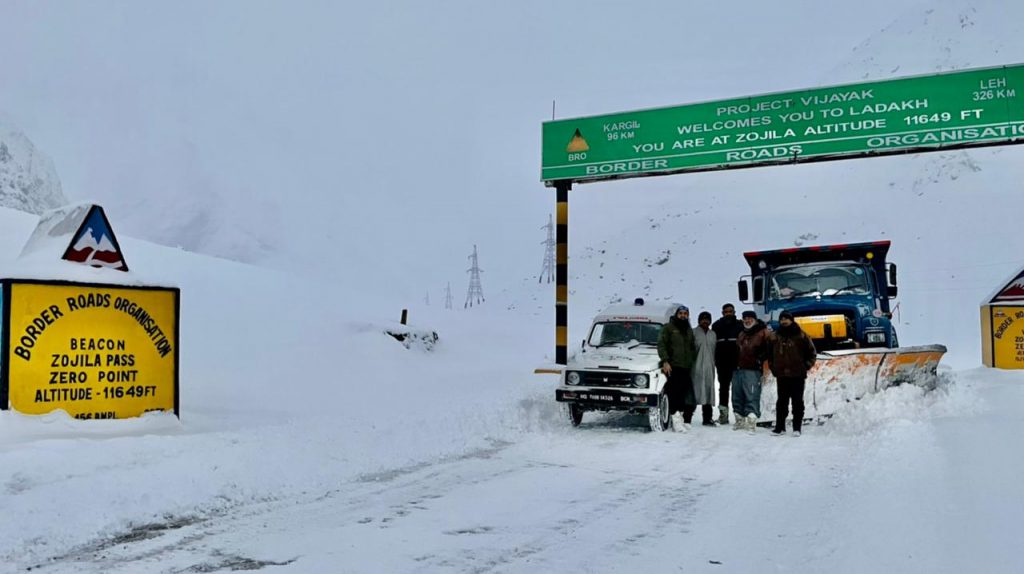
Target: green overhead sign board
(922, 113)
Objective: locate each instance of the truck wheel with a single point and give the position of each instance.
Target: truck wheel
(657, 416)
(572, 413)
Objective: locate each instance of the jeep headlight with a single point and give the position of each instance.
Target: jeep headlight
(876, 337)
(573, 378)
(640, 381)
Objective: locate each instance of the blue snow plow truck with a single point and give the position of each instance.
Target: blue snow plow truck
(839, 294)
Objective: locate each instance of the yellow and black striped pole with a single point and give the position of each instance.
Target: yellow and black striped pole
(562, 273)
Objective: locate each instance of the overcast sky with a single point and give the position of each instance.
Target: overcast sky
(403, 130)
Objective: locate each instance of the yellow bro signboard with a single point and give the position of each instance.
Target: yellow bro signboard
(95, 351)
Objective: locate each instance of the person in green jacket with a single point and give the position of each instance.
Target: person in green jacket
(678, 352)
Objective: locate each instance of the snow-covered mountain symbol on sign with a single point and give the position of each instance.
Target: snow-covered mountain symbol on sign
(95, 244)
(1014, 291)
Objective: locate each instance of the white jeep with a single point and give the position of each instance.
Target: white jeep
(618, 366)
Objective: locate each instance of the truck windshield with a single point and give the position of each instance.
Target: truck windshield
(615, 332)
(823, 279)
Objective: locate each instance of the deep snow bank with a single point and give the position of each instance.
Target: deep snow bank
(286, 386)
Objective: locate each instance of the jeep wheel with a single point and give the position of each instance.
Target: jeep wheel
(657, 416)
(572, 413)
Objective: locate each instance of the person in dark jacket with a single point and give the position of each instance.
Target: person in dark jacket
(746, 389)
(791, 355)
(726, 355)
(678, 353)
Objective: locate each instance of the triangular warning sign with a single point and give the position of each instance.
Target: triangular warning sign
(94, 243)
(1013, 291)
(80, 233)
(578, 143)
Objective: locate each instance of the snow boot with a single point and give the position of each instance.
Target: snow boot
(796, 433)
(741, 422)
(777, 432)
(723, 415)
(677, 422)
(751, 423)
(707, 416)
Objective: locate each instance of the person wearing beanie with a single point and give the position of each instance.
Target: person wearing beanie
(678, 353)
(746, 389)
(791, 355)
(726, 354)
(704, 369)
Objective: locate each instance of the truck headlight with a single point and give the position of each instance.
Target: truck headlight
(572, 378)
(876, 337)
(640, 381)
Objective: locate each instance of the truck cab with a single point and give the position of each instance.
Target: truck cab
(617, 367)
(839, 294)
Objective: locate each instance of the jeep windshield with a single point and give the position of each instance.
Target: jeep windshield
(610, 333)
(818, 280)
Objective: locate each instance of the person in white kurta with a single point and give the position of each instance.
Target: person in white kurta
(703, 373)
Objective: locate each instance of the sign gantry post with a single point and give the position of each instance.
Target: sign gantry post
(562, 272)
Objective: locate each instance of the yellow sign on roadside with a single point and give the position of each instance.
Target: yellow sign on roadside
(1005, 348)
(95, 351)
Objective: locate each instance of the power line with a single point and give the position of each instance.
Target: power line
(548, 269)
(476, 290)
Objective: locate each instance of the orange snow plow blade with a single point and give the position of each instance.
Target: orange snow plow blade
(884, 367)
(839, 377)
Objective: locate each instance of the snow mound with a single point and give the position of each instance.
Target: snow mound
(907, 404)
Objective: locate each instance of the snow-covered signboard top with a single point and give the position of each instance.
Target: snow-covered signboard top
(1012, 291)
(78, 233)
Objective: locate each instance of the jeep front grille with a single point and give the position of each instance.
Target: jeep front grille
(606, 379)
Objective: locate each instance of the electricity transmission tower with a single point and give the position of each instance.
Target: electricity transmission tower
(428, 299)
(549, 253)
(448, 297)
(476, 291)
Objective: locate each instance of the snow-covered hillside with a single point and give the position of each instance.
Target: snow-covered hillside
(28, 180)
(286, 386)
(312, 441)
(939, 35)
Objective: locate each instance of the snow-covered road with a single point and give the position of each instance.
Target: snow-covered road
(880, 487)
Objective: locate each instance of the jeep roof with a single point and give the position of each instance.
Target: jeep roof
(648, 312)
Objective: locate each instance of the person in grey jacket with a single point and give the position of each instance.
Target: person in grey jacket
(703, 373)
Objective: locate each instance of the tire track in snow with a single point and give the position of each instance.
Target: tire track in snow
(507, 507)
